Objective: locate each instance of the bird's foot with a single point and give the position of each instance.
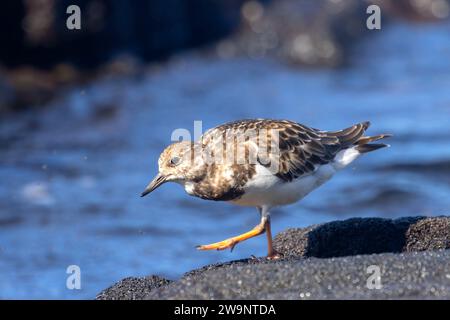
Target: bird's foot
(232, 242)
(221, 245)
(274, 255)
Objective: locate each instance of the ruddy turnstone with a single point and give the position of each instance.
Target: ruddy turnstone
(261, 163)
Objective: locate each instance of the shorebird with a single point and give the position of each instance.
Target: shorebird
(268, 163)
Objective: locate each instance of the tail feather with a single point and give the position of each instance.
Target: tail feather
(364, 144)
(368, 139)
(349, 136)
(353, 137)
(353, 143)
(370, 147)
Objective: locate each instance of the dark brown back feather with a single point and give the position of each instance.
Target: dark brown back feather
(302, 149)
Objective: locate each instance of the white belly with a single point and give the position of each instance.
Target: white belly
(265, 189)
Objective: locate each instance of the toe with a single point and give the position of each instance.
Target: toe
(274, 256)
(222, 245)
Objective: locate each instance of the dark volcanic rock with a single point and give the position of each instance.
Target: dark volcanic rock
(319, 33)
(359, 242)
(132, 288)
(422, 275)
(300, 32)
(365, 236)
(428, 234)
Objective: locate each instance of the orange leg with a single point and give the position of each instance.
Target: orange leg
(272, 254)
(263, 226)
(231, 242)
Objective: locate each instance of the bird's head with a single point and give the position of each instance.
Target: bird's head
(177, 163)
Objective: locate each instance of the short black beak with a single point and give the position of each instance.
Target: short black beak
(156, 182)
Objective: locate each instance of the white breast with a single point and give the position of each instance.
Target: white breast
(189, 187)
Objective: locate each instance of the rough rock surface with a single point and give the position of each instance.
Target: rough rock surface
(132, 288)
(424, 275)
(365, 236)
(327, 261)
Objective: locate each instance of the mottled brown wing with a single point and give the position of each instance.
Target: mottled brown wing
(300, 148)
(303, 149)
(220, 137)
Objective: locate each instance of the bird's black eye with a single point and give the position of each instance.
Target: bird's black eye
(175, 161)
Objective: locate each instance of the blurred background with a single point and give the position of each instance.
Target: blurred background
(85, 113)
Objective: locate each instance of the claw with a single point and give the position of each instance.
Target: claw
(274, 255)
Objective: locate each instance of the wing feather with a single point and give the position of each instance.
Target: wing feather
(301, 148)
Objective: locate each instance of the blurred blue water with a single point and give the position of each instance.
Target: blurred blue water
(71, 176)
